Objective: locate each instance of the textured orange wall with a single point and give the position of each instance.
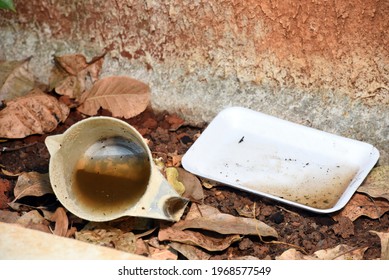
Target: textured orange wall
(307, 44)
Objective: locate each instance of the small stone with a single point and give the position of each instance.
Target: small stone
(277, 217)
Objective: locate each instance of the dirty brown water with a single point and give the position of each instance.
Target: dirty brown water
(321, 191)
(111, 176)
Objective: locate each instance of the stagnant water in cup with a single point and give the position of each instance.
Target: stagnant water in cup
(111, 176)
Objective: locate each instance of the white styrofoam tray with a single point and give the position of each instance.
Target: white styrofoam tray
(281, 160)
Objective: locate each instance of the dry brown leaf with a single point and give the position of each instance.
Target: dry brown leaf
(71, 103)
(142, 248)
(193, 187)
(9, 173)
(72, 63)
(61, 222)
(8, 216)
(190, 252)
(245, 211)
(46, 214)
(344, 227)
(34, 220)
(143, 234)
(70, 86)
(124, 241)
(209, 218)
(197, 239)
(34, 113)
(95, 66)
(245, 258)
(23, 207)
(32, 184)
(362, 205)
(377, 183)
(174, 159)
(293, 254)
(71, 232)
(122, 96)
(159, 250)
(340, 252)
(154, 242)
(384, 236)
(15, 79)
(32, 216)
(162, 254)
(73, 74)
(174, 121)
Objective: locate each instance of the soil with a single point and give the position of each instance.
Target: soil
(167, 136)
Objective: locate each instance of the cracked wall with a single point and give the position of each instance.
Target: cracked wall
(320, 63)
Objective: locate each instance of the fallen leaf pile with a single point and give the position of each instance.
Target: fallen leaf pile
(206, 228)
(73, 75)
(15, 79)
(30, 110)
(370, 200)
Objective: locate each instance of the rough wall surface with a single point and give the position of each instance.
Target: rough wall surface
(320, 63)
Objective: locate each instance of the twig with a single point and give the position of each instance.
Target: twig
(198, 209)
(286, 210)
(344, 253)
(140, 235)
(51, 230)
(285, 243)
(6, 149)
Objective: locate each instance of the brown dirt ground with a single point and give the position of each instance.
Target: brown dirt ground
(296, 228)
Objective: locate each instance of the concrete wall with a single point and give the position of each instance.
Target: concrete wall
(319, 63)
